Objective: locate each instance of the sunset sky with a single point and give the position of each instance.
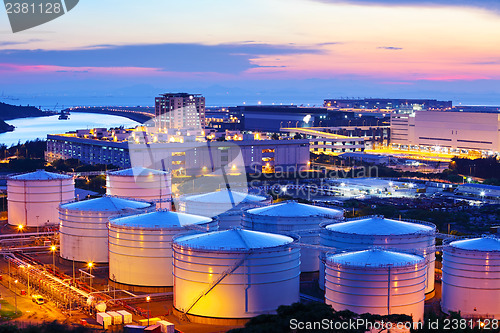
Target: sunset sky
(281, 51)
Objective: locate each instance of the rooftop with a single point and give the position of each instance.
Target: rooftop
(481, 186)
(40, 175)
(378, 225)
(375, 257)
(486, 243)
(160, 219)
(234, 239)
(295, 209)
(224, 196)
(106, 204)
(137, 171)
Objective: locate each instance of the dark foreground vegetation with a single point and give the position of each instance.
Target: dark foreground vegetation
(288, 317)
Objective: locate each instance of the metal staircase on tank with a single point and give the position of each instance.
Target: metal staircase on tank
(221, 276)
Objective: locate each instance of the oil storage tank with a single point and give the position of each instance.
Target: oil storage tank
(33, 197)
(471, 277)
(226, 205)
(234, 274)
(376, 281)
(140, 247)
(293, 217)
(369, 231)
(141, 183)
(83, 226)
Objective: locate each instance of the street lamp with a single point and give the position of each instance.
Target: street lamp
(20, 227)
(147, 300)
(28, 272)
(90, 265)
(15, 294)
(53, 249)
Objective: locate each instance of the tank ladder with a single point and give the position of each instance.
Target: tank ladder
(214, 283)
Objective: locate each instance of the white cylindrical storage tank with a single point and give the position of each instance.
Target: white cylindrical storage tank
(226, 205)
(83, 226)
(369, 231)
(141, 183)
(33, 197)
(376, 281)
(471, 277)
(140, 246)
(235, 273)
(293, 217)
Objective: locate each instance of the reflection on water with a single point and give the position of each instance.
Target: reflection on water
(39, 127)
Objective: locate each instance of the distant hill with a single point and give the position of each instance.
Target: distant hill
(4, 127)
(8, 112)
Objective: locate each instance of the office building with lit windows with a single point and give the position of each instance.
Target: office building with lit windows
(180, 110)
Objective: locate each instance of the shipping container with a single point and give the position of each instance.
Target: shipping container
(104, 319)
(117, 318)
(166, 327)
(126, 317)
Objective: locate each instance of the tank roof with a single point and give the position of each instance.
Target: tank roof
(160, 219)
(234, 239)
(375, 257)
(224, 196)
(486, 243)
(378, 225)
(137, 171)
(40, 175)
(295, 209)
(108, 204)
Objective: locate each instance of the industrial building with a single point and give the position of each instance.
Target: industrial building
(447, 131)
(234, 274)
(83, 226)
(185, 156)
(479, 190)
(366, 158)
(179, 110)
(293, 217)
(228, 206)
(33, 198)
(365, 232)
(140, 247)
(384, 103)
(376, 281)
(471, 277)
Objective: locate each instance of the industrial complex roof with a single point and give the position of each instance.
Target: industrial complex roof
(295, 209)
(481, 186)
(224, 196)
(110, 204)
(234, 239)
(486, 243)
(137, 171)
(375, 257)
(378, 225)
(160, 219)
(40, 175)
